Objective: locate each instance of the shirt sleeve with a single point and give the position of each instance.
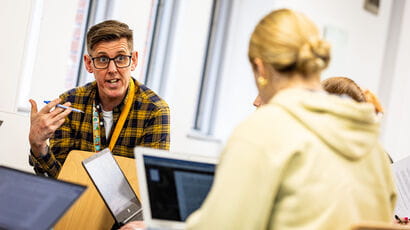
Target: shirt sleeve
(243, 193)
(157, 130)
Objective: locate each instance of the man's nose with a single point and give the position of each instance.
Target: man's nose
(111, 66)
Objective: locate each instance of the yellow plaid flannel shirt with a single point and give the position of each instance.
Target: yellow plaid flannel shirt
(147, 124)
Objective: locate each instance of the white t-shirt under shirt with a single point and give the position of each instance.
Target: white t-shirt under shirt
(108, 119)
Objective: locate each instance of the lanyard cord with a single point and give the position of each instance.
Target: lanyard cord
(96, 129)
(118, 127)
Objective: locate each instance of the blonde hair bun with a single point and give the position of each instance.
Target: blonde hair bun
(289, 41)
(313, 56)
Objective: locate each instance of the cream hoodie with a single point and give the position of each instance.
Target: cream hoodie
(306, 160)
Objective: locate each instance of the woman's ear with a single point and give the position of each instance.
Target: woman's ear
(259, 67)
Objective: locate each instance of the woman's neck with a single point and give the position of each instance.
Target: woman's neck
(287, 82)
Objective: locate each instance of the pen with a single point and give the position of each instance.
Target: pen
(398, 219)
(65, 107)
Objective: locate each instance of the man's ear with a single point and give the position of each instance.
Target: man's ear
(134, 59)
(88, 63)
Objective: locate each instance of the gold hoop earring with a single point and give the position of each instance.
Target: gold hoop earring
(262, 82)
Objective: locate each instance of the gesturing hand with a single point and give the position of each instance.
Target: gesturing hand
(44, 123)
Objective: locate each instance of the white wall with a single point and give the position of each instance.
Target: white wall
(14, 15)
(362, 57)
(366, 35)
(362, 61)
(238, 88)
(397, 118)
(184, 76)
(14, 146)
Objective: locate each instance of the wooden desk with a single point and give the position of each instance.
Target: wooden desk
(89, 211)
(379, 226)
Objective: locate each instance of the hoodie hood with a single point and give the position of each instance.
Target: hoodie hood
(348, 127)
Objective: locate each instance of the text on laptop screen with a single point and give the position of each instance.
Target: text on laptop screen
(28, 201)
(176, 187)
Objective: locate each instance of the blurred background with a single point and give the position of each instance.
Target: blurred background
(194, 54)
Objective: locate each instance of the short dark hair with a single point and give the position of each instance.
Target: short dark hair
(109, 30)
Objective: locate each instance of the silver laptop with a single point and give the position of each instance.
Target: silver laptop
(172, 185)
(33, 202)
(113, 187)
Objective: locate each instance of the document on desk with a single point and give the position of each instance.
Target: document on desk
(401, 170)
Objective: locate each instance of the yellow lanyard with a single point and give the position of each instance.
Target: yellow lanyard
(118, 127)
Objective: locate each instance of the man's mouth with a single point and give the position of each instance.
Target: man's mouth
(112, 80)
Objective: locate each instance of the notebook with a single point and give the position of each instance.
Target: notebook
(113, 187)
(172, 185)
(33, 202)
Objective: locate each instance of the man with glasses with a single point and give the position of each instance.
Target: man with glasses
(114, 111)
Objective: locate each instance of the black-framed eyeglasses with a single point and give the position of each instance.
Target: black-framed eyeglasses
(102, 62)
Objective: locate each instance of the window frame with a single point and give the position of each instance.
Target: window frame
(212, 68)
(156, 67)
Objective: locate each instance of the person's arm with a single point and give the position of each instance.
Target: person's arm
(133, 225)
(243, 193)
(157, 129)
(46, 124)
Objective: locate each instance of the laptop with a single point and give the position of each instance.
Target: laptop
(113, 187)
(172, 185)
(33, 202)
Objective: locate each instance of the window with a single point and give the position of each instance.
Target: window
(155, 67)
(218, 30)
(29, 56)
(35, 53)
(98, 11)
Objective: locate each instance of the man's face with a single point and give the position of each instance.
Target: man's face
(112, 81)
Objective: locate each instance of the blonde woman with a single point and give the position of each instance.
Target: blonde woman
(304, 160)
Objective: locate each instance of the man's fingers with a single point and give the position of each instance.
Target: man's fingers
(54, 125)
(58, 123)
(49, 106)
(62, 115)
(58, 110)
(33, 107)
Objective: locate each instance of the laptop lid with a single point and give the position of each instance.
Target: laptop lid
(33, 202)
(113, 187)
(172, 185)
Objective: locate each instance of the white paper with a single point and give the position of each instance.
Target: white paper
(401, 170)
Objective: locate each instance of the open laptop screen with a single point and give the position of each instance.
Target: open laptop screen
(112, 184)
(176, 187)
(28, 201)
